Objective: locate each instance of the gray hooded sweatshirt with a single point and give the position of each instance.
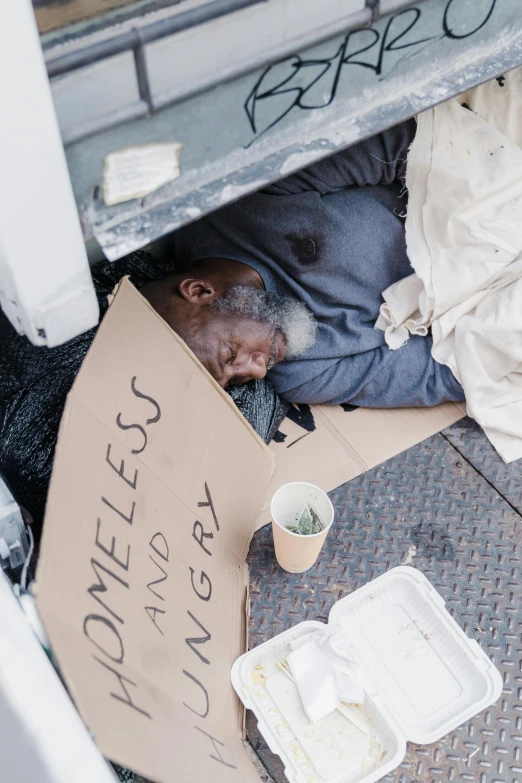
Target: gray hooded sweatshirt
(333, 237)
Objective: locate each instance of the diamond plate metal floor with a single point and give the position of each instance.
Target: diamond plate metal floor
(435, 506)
(467, 437)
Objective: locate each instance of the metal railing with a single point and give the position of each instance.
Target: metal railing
(136, 39)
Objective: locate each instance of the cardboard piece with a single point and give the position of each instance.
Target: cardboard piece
(141, 583)
(157, 486)
(328, 445)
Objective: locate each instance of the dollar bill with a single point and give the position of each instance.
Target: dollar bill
(308, 521)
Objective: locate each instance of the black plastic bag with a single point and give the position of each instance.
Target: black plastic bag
(35, 381)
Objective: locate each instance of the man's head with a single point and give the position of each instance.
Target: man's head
(236, 329)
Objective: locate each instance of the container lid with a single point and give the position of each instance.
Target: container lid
(428, 673)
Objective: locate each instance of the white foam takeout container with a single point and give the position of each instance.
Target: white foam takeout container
(422, 675)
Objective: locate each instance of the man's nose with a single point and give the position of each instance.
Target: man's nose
(252, 368)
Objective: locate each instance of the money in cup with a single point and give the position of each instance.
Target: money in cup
(302, 515)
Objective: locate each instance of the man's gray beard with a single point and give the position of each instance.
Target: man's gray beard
(284, 313)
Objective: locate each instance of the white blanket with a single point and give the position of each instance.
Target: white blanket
(464, 240)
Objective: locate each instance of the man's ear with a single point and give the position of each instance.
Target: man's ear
(197, 291)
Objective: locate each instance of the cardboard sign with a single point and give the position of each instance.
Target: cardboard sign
(157, 485)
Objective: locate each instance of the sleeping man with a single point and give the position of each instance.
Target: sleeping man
(288, 282)
(285, 283)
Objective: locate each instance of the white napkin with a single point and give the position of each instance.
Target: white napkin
(324, 673)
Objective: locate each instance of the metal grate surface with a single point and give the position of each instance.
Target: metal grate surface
(467, 437)
(431, 508)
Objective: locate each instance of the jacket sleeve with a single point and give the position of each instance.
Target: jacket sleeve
(376, 161)
(408, 377)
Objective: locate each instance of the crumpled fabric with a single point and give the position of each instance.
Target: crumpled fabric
(401, 314)
(464, 241)
(35, 381)
(324, 672)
